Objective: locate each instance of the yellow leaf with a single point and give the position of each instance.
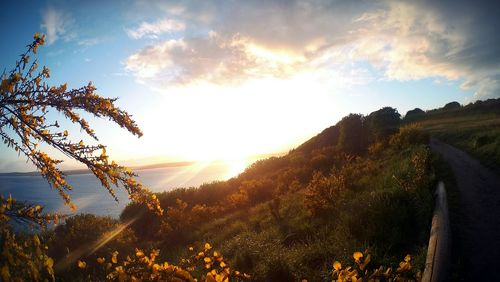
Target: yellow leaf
(357, 256)
(114, 259)
(49, 262)
(207, 246)
(337, 265)
(408, 258)
(82, 264)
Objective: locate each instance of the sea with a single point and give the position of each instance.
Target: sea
(90, 197)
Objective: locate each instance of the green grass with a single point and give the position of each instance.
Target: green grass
(478, 135)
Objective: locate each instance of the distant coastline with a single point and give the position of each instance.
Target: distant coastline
(86, 171)
(142, 167)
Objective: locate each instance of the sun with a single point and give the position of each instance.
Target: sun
(208, 122)
(235, 167)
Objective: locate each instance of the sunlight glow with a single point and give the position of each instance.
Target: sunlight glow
(236, 122)
(236, 167)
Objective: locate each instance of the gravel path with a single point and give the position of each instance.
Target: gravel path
(479, 215)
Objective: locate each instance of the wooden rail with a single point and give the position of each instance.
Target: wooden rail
(438, 252)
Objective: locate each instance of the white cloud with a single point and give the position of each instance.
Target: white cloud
(153, 30)
(150, 61)
(90, 41)
(56, 24)
(400, 40)
(212, 58)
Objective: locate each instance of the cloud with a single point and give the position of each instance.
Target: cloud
(411, 40)
(56, 24)
(154, 29)
(89, 41)
(212, 58)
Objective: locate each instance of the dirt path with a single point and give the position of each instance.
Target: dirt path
(478, 225)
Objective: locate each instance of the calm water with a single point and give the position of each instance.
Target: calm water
(90, 197)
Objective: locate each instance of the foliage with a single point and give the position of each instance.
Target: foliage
(25, 101)
(383, 123)
(325, 193)
(409, 135)
(452, 106)
(80, 235)
(209, 265)
(360, 270)
(24, 258)
(353, 134)
(24, 213)
(413, 114)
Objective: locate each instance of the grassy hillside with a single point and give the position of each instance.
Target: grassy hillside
(362, 184)
(475, 128)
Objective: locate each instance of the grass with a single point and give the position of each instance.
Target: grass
(478, 135)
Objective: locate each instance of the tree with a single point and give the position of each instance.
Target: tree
(352, 138)
(452, 106)
(25, 101)
(414, 114)
(383, 123)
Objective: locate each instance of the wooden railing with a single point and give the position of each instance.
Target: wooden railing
(438, 252)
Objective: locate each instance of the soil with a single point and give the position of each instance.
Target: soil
(478, 223)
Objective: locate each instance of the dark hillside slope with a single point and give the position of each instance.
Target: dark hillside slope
(328, 137)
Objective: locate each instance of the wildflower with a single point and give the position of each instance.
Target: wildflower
(408, 258)
(357, 256)
(114, 258)
(337, 266)
(207, 246)
(82, 264)
(139, 253)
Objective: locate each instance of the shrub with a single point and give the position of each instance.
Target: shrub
(324, 192)
(409, 135)
(80, 233)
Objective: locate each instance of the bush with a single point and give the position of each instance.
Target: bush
(324, 193)
(408, 136)
(81, 234)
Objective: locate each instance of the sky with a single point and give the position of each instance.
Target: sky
(217, 80)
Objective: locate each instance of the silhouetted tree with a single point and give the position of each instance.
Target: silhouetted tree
(414, 114)
(383, 123)
(452, 106)
(353, 138)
